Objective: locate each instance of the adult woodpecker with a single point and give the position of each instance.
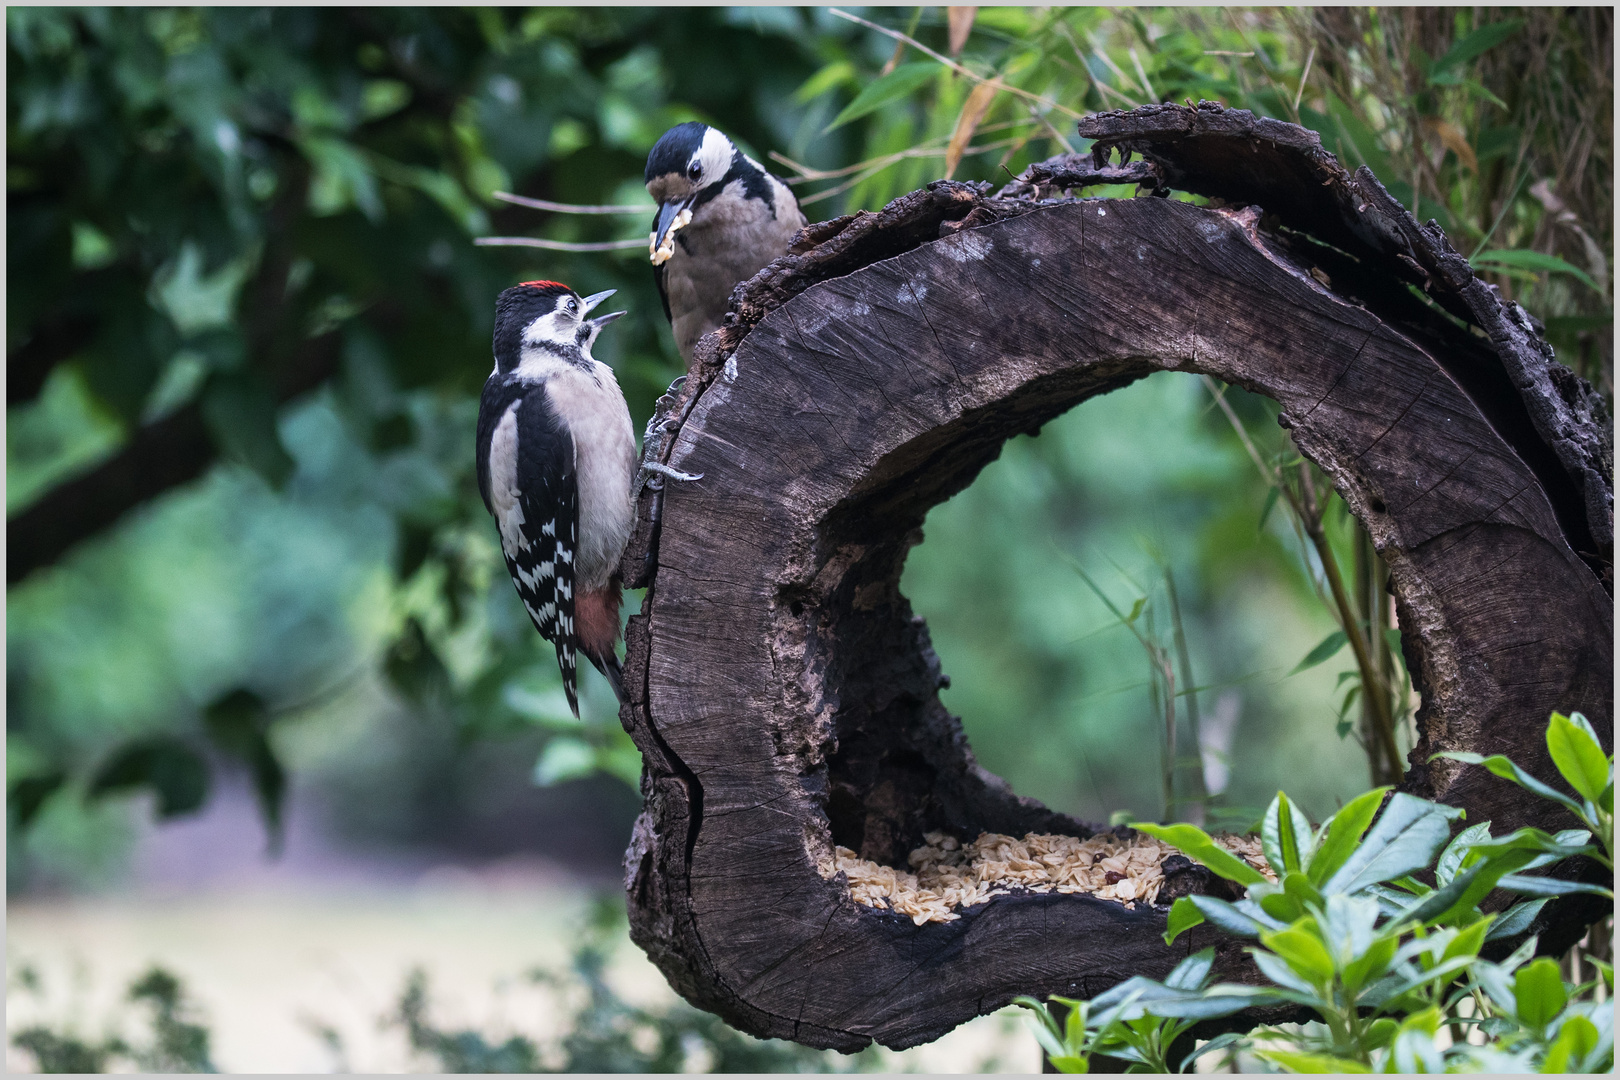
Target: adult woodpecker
(556, 454)
(720, 219)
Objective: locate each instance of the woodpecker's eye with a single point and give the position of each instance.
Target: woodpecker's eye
(695, 171)
(573, 306)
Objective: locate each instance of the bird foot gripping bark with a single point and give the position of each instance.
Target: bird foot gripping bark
(661, 470)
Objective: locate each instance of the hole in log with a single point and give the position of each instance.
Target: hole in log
(1056, 694)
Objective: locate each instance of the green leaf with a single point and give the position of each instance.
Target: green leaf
(1481, 40)
(1539, 992)
(1452, 857)
(1515, 920)
(1371, 964)
(1498, 765)
(1534, 841)
(175, 772)
(1196, 843)
(901, 82)
(1343, 831)
(1285, 837)
(1302, 950)
(26, 797)
(1323, 652)
(1392, 638)
(1469, 939)
(1380, 1032)
(238, 722)
(1047, 1032)
(1519, 259)
(1529, 885)
(1473, 86)
(1577, 1037)
(1191, 972)
(1406, 837)
(834, 74)
(1299, 886)
(1277, 903)
(240, 411)
(1184, 915)
(1578, 754)
(1300, 1062)
(1224, 916)
(1136, 609)
(564, 758)
(1219, 1042)
(1271, 503)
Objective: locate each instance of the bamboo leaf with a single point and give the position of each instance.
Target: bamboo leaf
(1481, 40)
(1520, 259)
(967, 122)
(960, 20)
(1271, 504)
(901, 82)
(1323, 652)
(1453, 139)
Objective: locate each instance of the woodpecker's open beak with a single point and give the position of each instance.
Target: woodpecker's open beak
(600, 321)
(672, 216)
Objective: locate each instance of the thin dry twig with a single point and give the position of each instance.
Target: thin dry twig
(1142, 74)
(1305, 75)
(1119, 73)
(952, 64)
(894, 159)
(1085, 69)
(558, 245)
(571, 208)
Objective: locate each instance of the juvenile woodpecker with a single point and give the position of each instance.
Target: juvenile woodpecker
(720, 219)
(556, 454)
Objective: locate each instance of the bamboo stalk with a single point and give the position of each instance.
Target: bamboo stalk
(1385, 728)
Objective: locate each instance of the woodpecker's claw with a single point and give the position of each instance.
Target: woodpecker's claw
(665, 470)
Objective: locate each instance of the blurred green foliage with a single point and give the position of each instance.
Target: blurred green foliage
(177, 1042)
(241, 250)
(603, 1033)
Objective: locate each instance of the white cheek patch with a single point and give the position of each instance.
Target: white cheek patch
(714, 155)
(553, 328)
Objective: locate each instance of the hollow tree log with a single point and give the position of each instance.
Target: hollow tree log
(784, 695)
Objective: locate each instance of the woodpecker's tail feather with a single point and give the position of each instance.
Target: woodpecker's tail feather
(570, 676)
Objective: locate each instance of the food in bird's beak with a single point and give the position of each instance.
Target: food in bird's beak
(661, 243)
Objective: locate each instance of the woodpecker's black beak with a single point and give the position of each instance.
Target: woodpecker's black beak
(672, 216)
(601, 320)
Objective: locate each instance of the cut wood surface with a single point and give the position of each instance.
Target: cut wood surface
(784, 695)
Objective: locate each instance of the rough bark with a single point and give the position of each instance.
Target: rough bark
(785, 696)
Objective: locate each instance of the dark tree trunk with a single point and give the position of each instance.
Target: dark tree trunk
(785, 696)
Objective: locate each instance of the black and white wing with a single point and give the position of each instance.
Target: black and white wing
(530, 486)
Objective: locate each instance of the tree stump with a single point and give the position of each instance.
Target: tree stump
(786, 698)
